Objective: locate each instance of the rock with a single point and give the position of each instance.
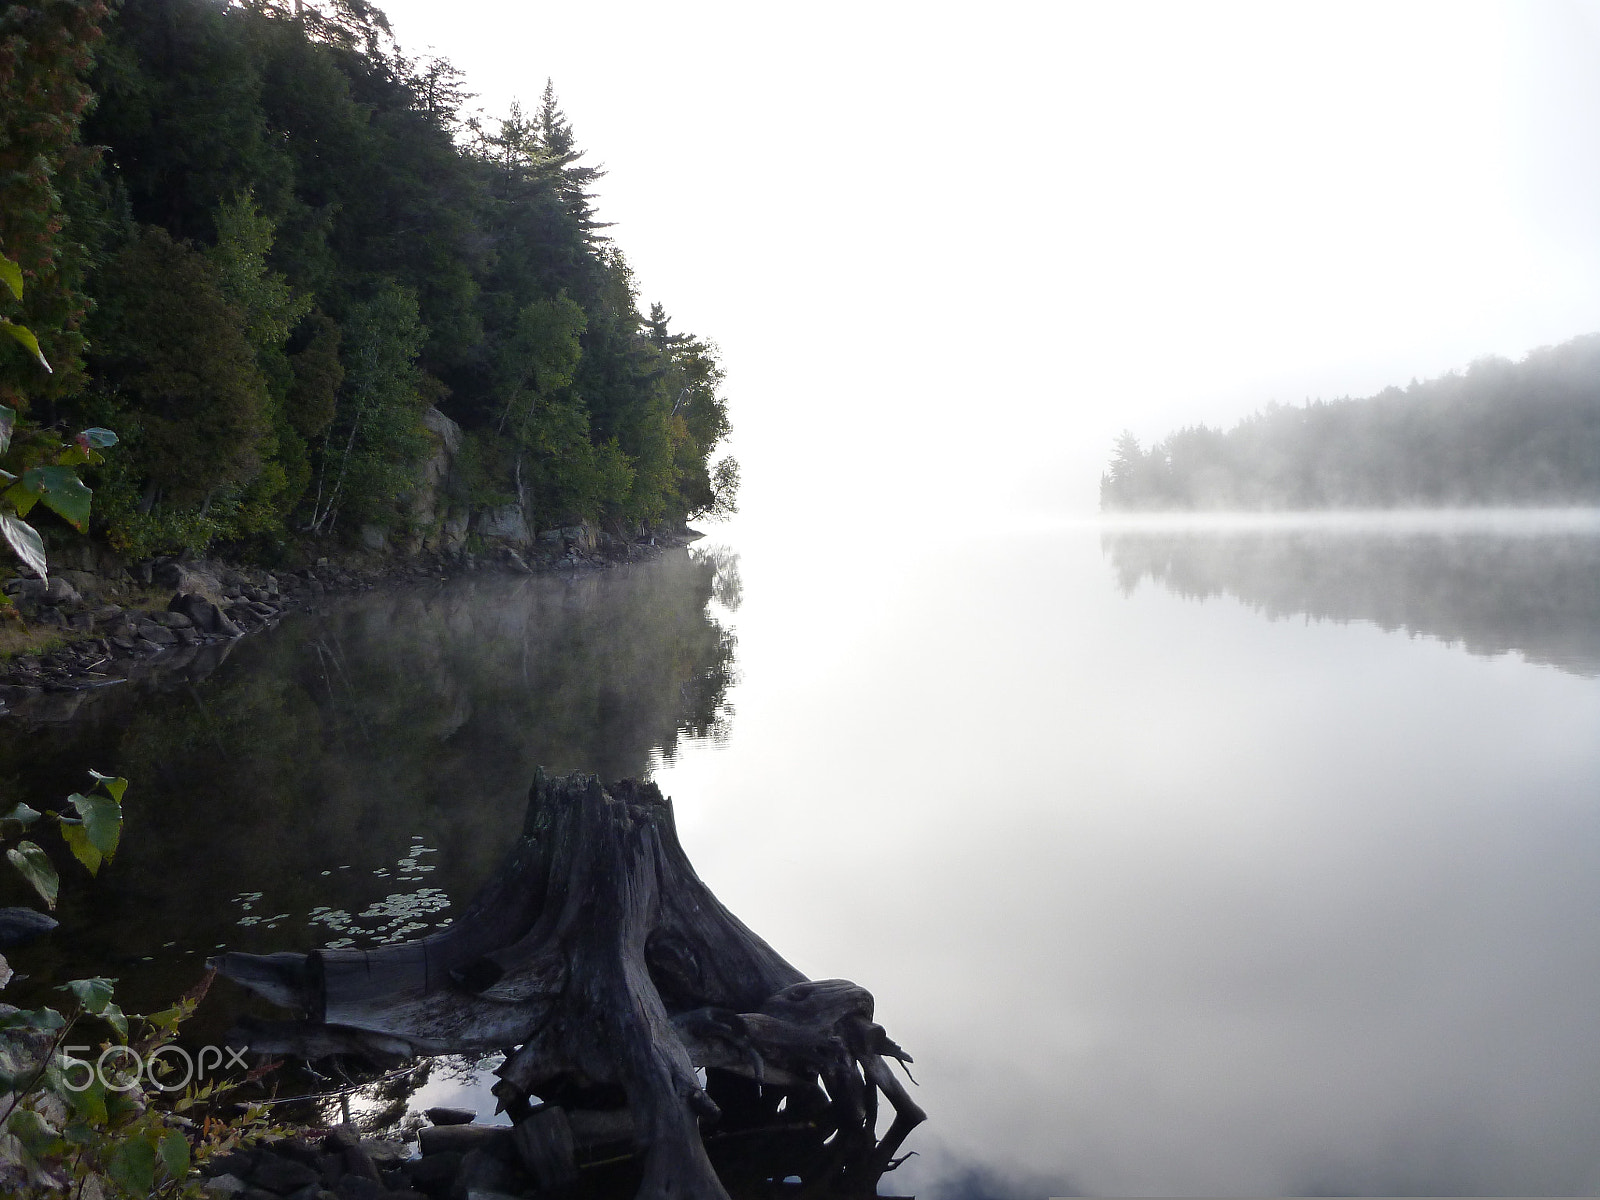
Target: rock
(453, 533)
(374, 537)
(186, 577)
(384, 1152)
(59, 591)
(82, 620)
(345, 1140)
(297, 1149)
(506, 522)
(223, 1185)
(203, 615)
(446, 437)
(16, 693)
(514, 561)
(434, 1173)
(481, 1170)
(356, 1187)
(463, 1138)
(159, 634)
(172, 619)
(86, 585)
(450, 1116)
(235, 1162)
(282, 1175)
(25, 589)
(21, 925)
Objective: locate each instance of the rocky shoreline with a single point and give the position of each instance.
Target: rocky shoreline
(450, 1158)
(119, 623)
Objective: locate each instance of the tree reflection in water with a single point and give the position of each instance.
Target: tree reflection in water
(349, 774)
(1490, 592)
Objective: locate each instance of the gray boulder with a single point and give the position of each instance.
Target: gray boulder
(203, 615)
(186, 577)
(21, 925)
(506, 522)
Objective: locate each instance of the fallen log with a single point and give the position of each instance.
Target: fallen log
(599, 954)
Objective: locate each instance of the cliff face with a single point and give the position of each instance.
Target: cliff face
(439, 521)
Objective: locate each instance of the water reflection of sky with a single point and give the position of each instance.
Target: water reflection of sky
(1164, 897)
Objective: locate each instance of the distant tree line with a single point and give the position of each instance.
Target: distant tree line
(261, 241)
(1500, 433)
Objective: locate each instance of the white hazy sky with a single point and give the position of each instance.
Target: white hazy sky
(949, 251)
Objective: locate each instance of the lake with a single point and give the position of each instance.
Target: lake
(1256, 857)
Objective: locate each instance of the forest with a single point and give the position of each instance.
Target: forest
(260, 242)
(1499, 433)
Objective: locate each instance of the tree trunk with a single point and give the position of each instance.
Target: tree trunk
(598, 951)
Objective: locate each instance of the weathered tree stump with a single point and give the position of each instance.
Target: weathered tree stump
(599, 954)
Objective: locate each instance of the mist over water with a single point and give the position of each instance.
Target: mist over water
(1170, 898)
(1255, 858)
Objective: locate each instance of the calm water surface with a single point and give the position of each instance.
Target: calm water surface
(1221, 861)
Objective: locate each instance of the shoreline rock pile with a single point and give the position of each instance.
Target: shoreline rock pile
(453, 1158)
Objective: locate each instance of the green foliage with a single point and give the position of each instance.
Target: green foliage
(36, 468)
(46, 50)
(65, 1128)
(34, 865)
(367, 459)
(1501, 433)
(270, 308)
(92, 835)
(185, 363)
(298, 244)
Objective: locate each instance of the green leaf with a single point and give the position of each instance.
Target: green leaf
(175, 1153)
(34, 1018)
(24, 539)
(100, 439)
(32, 1130)
(167, 1020)
(133, 1166)
(34, 865)
(8, 420)
(94, 994)
(114, 784)
(89, 1104)
(29, 343)
(21, 497)
(60, 489)
(22, 814)
(113, 1016)
(84, 850)
(102, 820)
(12, 275)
